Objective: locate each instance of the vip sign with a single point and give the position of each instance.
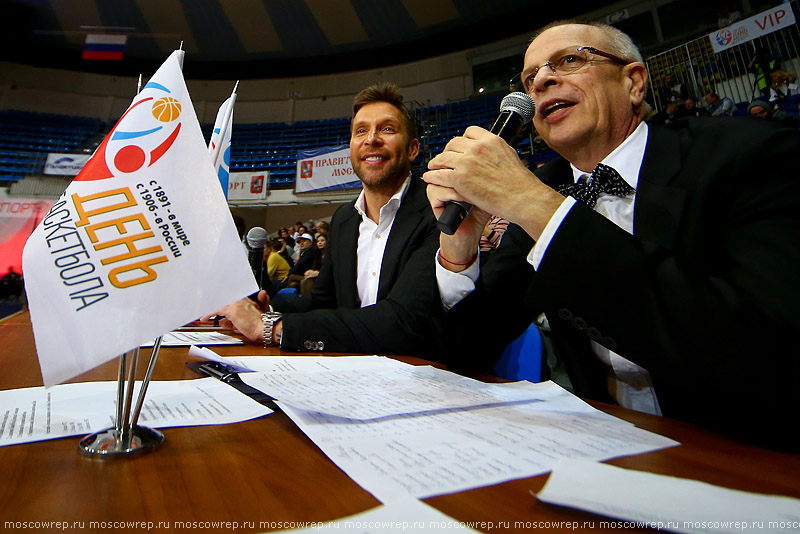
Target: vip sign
(751, 28)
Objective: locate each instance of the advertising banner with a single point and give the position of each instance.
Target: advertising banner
(65, 164)
(248, 185)
(18, 218)
(748, 29)
(325, 168)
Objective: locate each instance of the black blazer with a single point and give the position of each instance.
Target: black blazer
(704, 293)
(304, 262)
(401, 321)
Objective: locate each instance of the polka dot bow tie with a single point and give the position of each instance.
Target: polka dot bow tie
(604, 179)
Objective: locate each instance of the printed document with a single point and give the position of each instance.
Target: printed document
(37, 414)
(424, 434)
(181, 339)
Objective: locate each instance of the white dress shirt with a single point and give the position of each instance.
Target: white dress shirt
(633, 386)
(372, 239)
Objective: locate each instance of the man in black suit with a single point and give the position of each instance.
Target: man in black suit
(673, 292)
(373, 292)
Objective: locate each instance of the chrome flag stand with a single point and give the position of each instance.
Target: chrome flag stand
(126, 439)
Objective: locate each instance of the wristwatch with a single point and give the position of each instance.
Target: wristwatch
(269, 319)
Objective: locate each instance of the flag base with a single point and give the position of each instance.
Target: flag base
(108, 445)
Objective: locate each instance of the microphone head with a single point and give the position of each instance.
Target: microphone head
(256, 237)
(518, 102)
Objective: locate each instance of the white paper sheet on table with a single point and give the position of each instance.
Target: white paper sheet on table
(210, 355)
(381, 392)
(306, 364)
(665, 502)
(37, 414)
(436, 452)
(405, 515)
(183, 339)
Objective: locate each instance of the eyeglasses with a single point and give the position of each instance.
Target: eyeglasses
(565, 63)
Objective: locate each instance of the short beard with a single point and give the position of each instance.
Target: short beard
(388, 184)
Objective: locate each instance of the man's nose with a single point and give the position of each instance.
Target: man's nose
(545, 77)
(374, 136)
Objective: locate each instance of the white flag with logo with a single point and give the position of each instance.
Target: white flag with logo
(220, 144)
(140, 243)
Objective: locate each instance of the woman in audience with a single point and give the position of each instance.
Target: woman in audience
(310, 275)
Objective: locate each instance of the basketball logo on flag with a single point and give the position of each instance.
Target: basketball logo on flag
(127, 150)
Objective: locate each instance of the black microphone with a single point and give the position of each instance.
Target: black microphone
(256, 239)
(516, 110)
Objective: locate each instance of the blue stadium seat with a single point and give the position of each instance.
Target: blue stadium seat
(522, 358)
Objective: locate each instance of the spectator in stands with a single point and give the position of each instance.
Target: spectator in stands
(783, 85)
(305, 261)
(322, 228)
(373, 293)
(286, 251)
(277, 266)
(319, 254)
(321, 242)
(690, 109)
(673, 90)
(301, 229)
(662, 291)
(667, 115)
(762, 64)
(719, 106)
(765, 110)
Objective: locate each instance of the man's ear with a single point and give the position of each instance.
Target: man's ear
(637, 75)
(413, 149)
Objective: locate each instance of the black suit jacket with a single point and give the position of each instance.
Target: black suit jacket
(304, 262)
(703, 294)
(401, 321)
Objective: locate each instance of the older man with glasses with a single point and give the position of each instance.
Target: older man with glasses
(665, 258)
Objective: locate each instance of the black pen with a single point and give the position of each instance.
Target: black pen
(225, 374)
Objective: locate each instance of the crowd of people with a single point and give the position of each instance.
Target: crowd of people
(293, 256)
(676, 102)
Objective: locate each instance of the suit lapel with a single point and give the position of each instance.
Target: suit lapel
(345, 261)
(405, 223)
(659, 207)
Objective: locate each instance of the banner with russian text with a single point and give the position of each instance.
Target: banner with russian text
(18, 218)
(248, 186)
(141, 242)
(65, 164)
(748, 29)
(325, 168)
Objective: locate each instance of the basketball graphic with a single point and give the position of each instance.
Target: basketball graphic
(136, 142)
(166, 109)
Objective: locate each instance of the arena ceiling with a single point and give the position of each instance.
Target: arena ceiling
(228, 39)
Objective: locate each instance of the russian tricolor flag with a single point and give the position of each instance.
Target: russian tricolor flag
(104, 46)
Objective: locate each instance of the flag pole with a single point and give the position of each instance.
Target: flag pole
(123, 359)
(146, 381)
(124, 356)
